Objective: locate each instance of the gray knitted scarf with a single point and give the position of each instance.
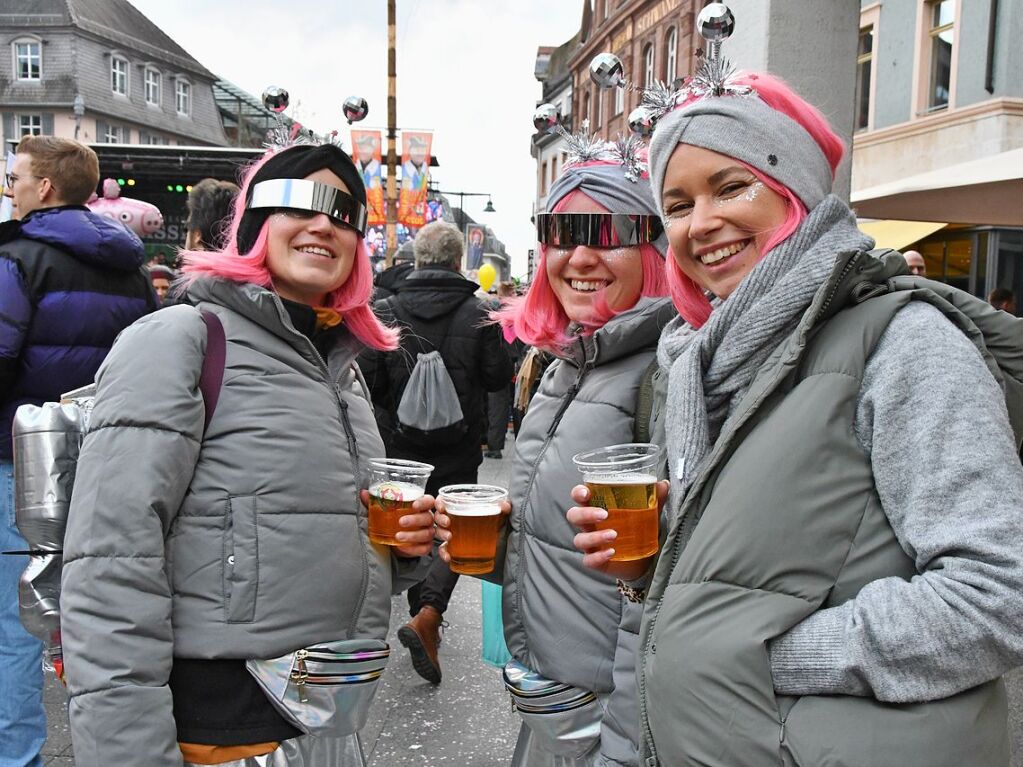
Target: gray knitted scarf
(710, 368)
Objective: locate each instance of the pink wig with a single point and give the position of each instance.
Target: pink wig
(688, 297)
(538, 317)
(351, 300)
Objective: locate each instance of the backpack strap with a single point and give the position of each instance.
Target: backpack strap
(644, 403)
(212, 376)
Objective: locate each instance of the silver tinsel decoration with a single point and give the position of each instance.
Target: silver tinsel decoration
(625, 149)
(584, 146)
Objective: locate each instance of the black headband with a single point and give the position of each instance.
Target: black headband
(597, 230)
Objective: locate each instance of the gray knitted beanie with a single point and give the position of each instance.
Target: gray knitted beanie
(747, 129)
(607, 185)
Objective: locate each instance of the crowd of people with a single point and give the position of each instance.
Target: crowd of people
(840, 556)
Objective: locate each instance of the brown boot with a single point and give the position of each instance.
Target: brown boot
(421, 636)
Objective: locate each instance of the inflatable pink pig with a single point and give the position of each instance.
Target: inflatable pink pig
(141, 217)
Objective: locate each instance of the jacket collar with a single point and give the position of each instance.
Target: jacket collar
(622, 335)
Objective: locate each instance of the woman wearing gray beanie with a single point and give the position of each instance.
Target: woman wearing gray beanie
(840, 580)
(598, 303)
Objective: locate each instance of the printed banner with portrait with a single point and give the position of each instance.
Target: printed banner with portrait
(475, 239)
(415, 174)
(366, 153)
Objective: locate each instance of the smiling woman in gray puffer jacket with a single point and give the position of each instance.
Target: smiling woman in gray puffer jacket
(597, 304)
(190, 551)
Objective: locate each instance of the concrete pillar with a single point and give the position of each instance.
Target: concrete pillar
(811, 45)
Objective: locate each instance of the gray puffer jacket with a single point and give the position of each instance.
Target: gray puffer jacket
(561, 619)
(248, 542)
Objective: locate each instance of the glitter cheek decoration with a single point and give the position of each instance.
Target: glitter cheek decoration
(749, 195)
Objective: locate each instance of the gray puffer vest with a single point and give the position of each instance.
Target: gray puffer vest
(783, 519)
(561, 619)
(246, 542)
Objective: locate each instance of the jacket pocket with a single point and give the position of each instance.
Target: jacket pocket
(241, 559)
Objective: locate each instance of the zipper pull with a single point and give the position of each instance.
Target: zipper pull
(299, 675)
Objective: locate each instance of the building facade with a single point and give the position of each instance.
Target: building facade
(100, 71)
(939, 100)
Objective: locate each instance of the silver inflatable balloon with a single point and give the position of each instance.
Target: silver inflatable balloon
(355, 108)
(546, 118)
(642, 122)
(716, 23)
(607, 71)
(275, 99)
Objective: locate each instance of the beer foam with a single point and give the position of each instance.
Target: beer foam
(621, 479)
(458, 510)
(396, 491)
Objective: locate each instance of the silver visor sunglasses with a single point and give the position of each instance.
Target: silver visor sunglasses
(303, 194)
(597, 230)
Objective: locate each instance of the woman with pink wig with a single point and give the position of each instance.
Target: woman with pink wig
(840, 580)
(598, 303)
(218, 532)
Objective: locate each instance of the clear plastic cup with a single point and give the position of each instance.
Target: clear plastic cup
(393, 485)
(622, 479)
(475, 514)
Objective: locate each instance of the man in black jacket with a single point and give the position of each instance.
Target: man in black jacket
(438, 310)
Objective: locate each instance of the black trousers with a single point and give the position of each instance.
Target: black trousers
(435, 589)
(498, 407)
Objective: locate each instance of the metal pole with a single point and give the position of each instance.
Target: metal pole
(392, 132)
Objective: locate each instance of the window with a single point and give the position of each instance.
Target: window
(648, 66)
(28, 60)
(607, 9)
(152, 87)
(554, 169)
(543, 178)
(183, 97)
(941, 24)
(145, 137)
(30, 125)
(864, 64)
(600, 107)
(119, 75)
(113, 134)
(671, 56)
(619, 100)
(585, 124)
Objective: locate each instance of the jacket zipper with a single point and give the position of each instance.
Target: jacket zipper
(686, 525)
(353, 449)
(570, 395)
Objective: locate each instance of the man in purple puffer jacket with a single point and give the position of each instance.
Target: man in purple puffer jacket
(70, 281)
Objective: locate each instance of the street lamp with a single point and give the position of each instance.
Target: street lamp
(78, 107)
(461, 203)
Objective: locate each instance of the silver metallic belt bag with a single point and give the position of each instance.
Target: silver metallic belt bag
(564, 719)
(324, 690)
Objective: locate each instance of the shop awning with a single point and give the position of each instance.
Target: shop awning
(898, 234)
(987, 191)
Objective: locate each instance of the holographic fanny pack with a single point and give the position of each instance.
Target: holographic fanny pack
(327, 689)
(564, 719)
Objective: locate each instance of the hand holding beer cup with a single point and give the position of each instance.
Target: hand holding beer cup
(620, 527)
(468, 521)
(399, 510)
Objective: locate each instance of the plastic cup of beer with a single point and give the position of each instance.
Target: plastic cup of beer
(393, 486)
(475, 514)
(622, 480)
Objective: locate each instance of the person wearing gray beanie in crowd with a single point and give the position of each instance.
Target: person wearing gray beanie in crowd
(840, 579)
(598, 303)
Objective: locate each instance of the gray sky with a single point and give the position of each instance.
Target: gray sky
(465, 70)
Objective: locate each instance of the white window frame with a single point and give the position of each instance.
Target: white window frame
(619, 100)
(183, 88)
(648, 65)
(922, 64)
(870, 18)
(149, 84)
(114, 134)
(38, 56)
(34, 125)
(600, 107)
(607, 9)
(671, 56)
(116, 75)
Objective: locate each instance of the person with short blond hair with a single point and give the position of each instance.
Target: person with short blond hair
(70, 281)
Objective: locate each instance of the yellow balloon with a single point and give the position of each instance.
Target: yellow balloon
(487, 274)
